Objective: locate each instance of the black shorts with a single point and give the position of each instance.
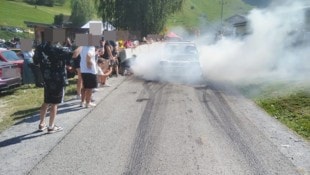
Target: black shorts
(89, 80)
(53, 93)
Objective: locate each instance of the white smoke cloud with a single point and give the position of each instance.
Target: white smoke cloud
(270, 52)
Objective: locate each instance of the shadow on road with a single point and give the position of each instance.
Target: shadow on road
(19, 139)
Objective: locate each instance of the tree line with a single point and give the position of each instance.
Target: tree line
(49, 3)
(146, 16)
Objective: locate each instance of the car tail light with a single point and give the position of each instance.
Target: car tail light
(0, 72)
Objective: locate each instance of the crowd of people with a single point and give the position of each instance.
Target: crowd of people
(93, 66)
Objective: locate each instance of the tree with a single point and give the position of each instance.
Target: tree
(147, 16)
(60, 2)
(81, 11)
(49, 3)
(58, 19)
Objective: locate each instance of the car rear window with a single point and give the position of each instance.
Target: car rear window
(10, 55)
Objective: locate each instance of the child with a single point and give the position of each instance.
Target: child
(104, 70)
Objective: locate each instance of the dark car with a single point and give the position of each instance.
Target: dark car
(11, 56)
(10, 75)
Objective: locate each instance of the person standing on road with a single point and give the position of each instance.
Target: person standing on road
(77, 60)
(115, 58)
(88, 68)
(52, 62)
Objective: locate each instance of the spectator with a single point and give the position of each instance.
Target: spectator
(115, 58)
(52, 62)
(107, 54)
(126, 65)
(68, 43)
(120, 44)
(105, 69)
(76, 64)
(88, 67)
(128, 44)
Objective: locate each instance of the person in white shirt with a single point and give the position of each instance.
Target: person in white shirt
(88, 68)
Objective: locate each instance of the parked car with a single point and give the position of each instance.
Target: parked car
(179, 61)
(3, 46)
(10, 75)
(11, 56)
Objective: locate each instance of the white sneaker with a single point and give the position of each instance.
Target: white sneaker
(106, 85)
(95, 90)
(82, 104)
(90, 105)
(54, 129)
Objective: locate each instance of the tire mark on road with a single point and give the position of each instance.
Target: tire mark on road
(229, 123)
(148, 130)
(261, 156)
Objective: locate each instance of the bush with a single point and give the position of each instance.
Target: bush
(49, 3)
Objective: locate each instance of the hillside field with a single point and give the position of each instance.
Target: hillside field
(15, 12)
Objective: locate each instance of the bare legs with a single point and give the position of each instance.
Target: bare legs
(88, 93)
(79, 83)
(86, 96)
(53, 112)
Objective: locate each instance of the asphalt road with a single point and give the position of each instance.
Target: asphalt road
(141, 127)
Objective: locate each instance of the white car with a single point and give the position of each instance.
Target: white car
(179, 61)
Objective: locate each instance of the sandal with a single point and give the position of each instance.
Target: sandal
(42, 128)
(54, 129)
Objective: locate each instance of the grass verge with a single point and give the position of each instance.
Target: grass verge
(288, 103)
(7, 35)
(23, 102)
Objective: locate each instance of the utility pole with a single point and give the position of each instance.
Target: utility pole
(222, 3)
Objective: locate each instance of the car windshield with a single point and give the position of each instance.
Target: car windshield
(10, 55)
(181, 52)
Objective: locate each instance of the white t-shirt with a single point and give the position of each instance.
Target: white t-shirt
(83, 64)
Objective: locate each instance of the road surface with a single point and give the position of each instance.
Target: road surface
(143, 127)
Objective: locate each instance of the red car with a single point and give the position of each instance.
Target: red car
(11, 57)
(9, 75)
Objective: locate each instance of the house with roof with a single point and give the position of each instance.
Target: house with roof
(41, 29)
(237, 25)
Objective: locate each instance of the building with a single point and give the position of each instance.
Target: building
(40, 30)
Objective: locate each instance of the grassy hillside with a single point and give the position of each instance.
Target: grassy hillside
(14, 13)
(196, 12)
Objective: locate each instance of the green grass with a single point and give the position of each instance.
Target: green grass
(7, 35)
(293, 110)
(287, 102)
(22, 102)
(14, 13)
(196, 12)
